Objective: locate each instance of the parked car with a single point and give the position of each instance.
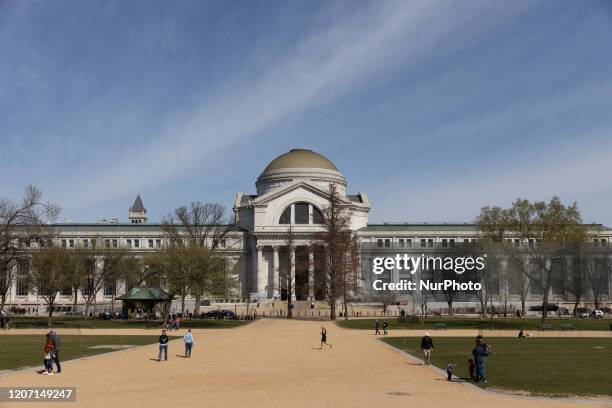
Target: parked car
(219, 314)
(592, 314)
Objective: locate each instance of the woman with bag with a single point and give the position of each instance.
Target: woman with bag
(47, 356)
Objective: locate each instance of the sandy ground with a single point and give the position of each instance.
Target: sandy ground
(270, 363)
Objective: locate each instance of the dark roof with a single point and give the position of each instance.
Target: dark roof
(414, 226)
(356, 198)
(137, 206)
(146, 294)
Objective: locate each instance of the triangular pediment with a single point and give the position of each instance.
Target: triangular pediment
(281, 191)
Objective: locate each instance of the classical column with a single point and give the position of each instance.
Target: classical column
(310, 274)
(292, 272)
(261, 280)
(275, 278)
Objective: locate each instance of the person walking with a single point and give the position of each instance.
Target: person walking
(188, 338)
(385, 328)
(47, 355)
(56, 350)
(449, 370)
(163, 346)
(480, 353)
(376, 327)
(324, 338)
(427, 347)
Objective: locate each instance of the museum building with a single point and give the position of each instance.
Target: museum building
(291, 195)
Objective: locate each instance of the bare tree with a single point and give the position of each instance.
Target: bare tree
(577, 278)
(21, 223)
(208, 273)
(136, 272)
(76, 273)
(517, 279)
(423, 297)
(201, 225)
(598, 271)
(287, 274)
(334, 247)
(48, 275)
(103, 265)
(386, 298)
(351, 288)
(450, 293)
(174, 264)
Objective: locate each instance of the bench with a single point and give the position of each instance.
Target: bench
(546, 327)
(566, 326)
(439, 326)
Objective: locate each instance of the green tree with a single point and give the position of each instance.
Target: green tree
(546, 232)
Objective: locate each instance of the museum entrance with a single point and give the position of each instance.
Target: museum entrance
(301, 273)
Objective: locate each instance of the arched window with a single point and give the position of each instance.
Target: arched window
(317, 216)
(301, 213)
(286, 216)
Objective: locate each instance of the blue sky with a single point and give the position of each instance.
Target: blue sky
(433, 108)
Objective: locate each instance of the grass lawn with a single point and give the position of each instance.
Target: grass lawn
(27, 350)
(476, 323)
(540, 366)
(79, 322)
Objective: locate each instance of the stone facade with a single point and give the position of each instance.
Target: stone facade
(291, 194)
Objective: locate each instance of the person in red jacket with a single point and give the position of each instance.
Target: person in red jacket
(48, 355)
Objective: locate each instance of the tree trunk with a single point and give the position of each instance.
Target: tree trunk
(345, 310)
(183, 305)
(87, 305)
(523, 306)
(450, 307)
(545, 306)
(3, 301)
(74, 304)
(50, 315)
(289, 298)
(576, 303)
(196, 308)
(332, 310)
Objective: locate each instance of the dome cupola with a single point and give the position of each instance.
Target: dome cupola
(299, 164)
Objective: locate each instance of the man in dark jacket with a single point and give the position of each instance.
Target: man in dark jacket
(163, 346)
(55, 338)
(427, 348)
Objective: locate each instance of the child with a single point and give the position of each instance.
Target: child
(472, 369)
(449, 370)
(47, 355)
(324, 338)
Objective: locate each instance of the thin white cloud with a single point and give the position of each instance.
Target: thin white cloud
(570, 172)
(327, 63)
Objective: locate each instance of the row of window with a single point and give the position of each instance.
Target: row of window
(111, 243)
(423, 242)
(450, 242)
(21, 289)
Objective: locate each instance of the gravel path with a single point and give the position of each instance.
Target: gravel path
(270, 363)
